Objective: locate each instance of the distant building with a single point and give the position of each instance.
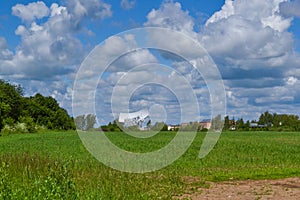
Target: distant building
(256, 125)
(173, 127)
(206, 123)
(252, 125)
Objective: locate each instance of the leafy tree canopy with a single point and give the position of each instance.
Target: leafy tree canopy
(33, 111)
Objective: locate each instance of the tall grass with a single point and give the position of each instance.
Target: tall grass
(33, 177)
(57, 166)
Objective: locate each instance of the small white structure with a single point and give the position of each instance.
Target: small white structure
(173, 127)
(139, 119)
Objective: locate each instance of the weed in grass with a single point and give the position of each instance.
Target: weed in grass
(51, 180)
(5, 187)
(57, 184)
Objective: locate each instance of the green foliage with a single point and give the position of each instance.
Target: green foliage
(29, 123)
(266, 118)
(46, 112)
(266, 122)
(113, 127)
(5, 185)
(15, 128)
(226, 123)
(56, 182)
(9, 121)
(241, 125)
(7, 130)
(34, 112)
(280, 122)
(10, 101)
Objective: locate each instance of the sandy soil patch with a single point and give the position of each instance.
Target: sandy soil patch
(288, 188)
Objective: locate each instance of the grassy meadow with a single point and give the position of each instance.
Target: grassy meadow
(56, 165)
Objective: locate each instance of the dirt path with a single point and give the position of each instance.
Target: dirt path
(284, 189)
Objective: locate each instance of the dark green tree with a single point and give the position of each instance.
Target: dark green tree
(240, 125)
(37, 110)
(10, 101)
(266, 118)
(226, 123)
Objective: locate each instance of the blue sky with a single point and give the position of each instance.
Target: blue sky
(122, 19)
(255, 45)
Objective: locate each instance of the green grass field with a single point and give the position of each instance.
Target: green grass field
(57, 165)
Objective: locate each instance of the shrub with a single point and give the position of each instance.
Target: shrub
(21, 128)
(16, 128)
(7, 130)
(9, 121)
(29, 122)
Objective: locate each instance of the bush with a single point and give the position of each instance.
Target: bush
(9, 121)
(29, 124)
(26, 126)
(7, 130)
(20, 128)
(16, 128)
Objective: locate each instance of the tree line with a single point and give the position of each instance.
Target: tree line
(267, 121)
(29, 114)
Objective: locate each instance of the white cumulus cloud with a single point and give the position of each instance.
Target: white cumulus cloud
(267, 12)
(250, 35)
(50, 48)
(170, 15)
(30, 12)
(250, 43)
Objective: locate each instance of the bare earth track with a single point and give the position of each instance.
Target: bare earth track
(282, 189)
